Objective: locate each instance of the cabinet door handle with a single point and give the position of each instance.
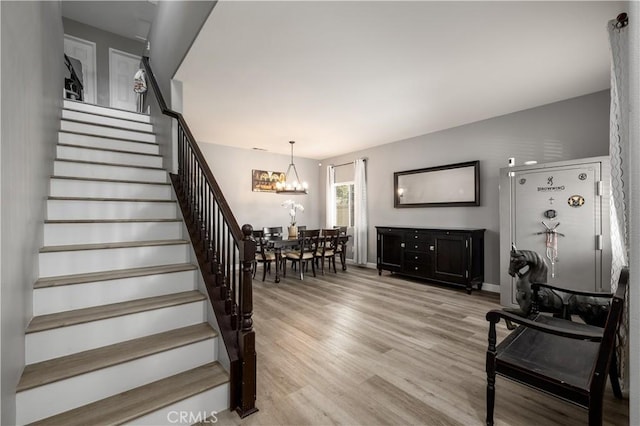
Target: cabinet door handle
(402, 245)
(415, 236)
(416, 257)
(416, 268)
(432, 248)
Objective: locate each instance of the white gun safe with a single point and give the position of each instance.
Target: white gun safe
(561, 211)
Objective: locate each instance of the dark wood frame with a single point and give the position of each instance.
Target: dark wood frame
(427, 173)
(549, 380)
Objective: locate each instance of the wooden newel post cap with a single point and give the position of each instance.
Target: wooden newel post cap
(247, 230)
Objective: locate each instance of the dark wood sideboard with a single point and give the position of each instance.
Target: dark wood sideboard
(451, 256)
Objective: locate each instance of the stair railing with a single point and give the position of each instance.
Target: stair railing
(225, 254)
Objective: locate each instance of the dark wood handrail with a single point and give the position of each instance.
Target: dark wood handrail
(220, 246)
(222, 202)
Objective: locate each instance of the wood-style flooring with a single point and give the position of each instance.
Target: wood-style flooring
(354, 348)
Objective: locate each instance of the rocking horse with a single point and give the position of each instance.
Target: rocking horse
(534, 296)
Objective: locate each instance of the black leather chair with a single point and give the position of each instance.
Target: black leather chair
(566, 359)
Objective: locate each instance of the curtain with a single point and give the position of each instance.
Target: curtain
(619, 156)
(361, 219)
(331, 198)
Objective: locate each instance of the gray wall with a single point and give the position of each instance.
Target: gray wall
(103, 40)
(32, 82)
(574, 128)
(175, 27)
(232, 168)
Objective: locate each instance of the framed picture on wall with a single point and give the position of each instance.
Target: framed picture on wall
(265, 181)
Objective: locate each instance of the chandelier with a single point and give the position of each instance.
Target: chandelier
(291, 185)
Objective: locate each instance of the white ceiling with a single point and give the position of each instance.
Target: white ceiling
(131, 19)
(342, 76)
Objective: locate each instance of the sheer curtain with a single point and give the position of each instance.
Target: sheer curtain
(634, 250)
(331, 197)
(620, 171)
(361, 216)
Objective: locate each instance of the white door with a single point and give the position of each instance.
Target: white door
(122, 68)
(85, 52)
(567, 199)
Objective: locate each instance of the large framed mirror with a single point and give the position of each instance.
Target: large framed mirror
(442, 186)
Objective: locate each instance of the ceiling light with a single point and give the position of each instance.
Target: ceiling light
(291, 184)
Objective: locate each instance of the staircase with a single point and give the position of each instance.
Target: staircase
(119, 332)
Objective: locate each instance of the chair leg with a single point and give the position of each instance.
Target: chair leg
(302, 265)
(613, 376)
(595, 412)
(491, 397)
(333, 260)
(255, 266)
(264, 270)
(313, 268)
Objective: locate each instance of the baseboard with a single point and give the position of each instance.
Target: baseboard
(492, 288)
(368, 265)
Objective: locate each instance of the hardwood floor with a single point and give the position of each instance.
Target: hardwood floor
(353, 348)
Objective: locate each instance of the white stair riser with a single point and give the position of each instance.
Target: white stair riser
(97, 189)
(44, 401)
(50, 300)
(198, 408)
(85, 261)
(60, 234)
(99, 156)
(96, 109)
(95, 210)
(107, 121)
(100, 171)
(91, 129)
(98, 142)
(63, 341)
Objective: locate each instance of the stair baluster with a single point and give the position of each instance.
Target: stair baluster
(221, 246)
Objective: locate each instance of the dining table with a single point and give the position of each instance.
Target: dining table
(280, 244)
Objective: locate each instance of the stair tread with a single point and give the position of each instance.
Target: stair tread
(101, 163)
(84, 315)
(134, 200)
(110, 126)
(139, 121)
(103, 107)
(57, 369)
(92, 179)
(71, 221)
(107, 149)
(102, 246)
(134, 403)
(112, 275)
(106, 137)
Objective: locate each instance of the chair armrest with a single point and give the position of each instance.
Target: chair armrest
(537, 286)
(495, 315)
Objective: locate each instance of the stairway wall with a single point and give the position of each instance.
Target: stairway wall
(32, 46)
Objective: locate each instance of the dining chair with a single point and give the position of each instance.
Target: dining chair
(327, 248)
(341, 249)
(304, 253)
(263, 254)
(272, 233)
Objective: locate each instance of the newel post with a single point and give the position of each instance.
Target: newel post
(247, 338)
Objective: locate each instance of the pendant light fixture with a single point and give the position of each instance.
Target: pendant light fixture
(291, 184)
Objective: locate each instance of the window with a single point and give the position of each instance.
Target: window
(344, 203)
